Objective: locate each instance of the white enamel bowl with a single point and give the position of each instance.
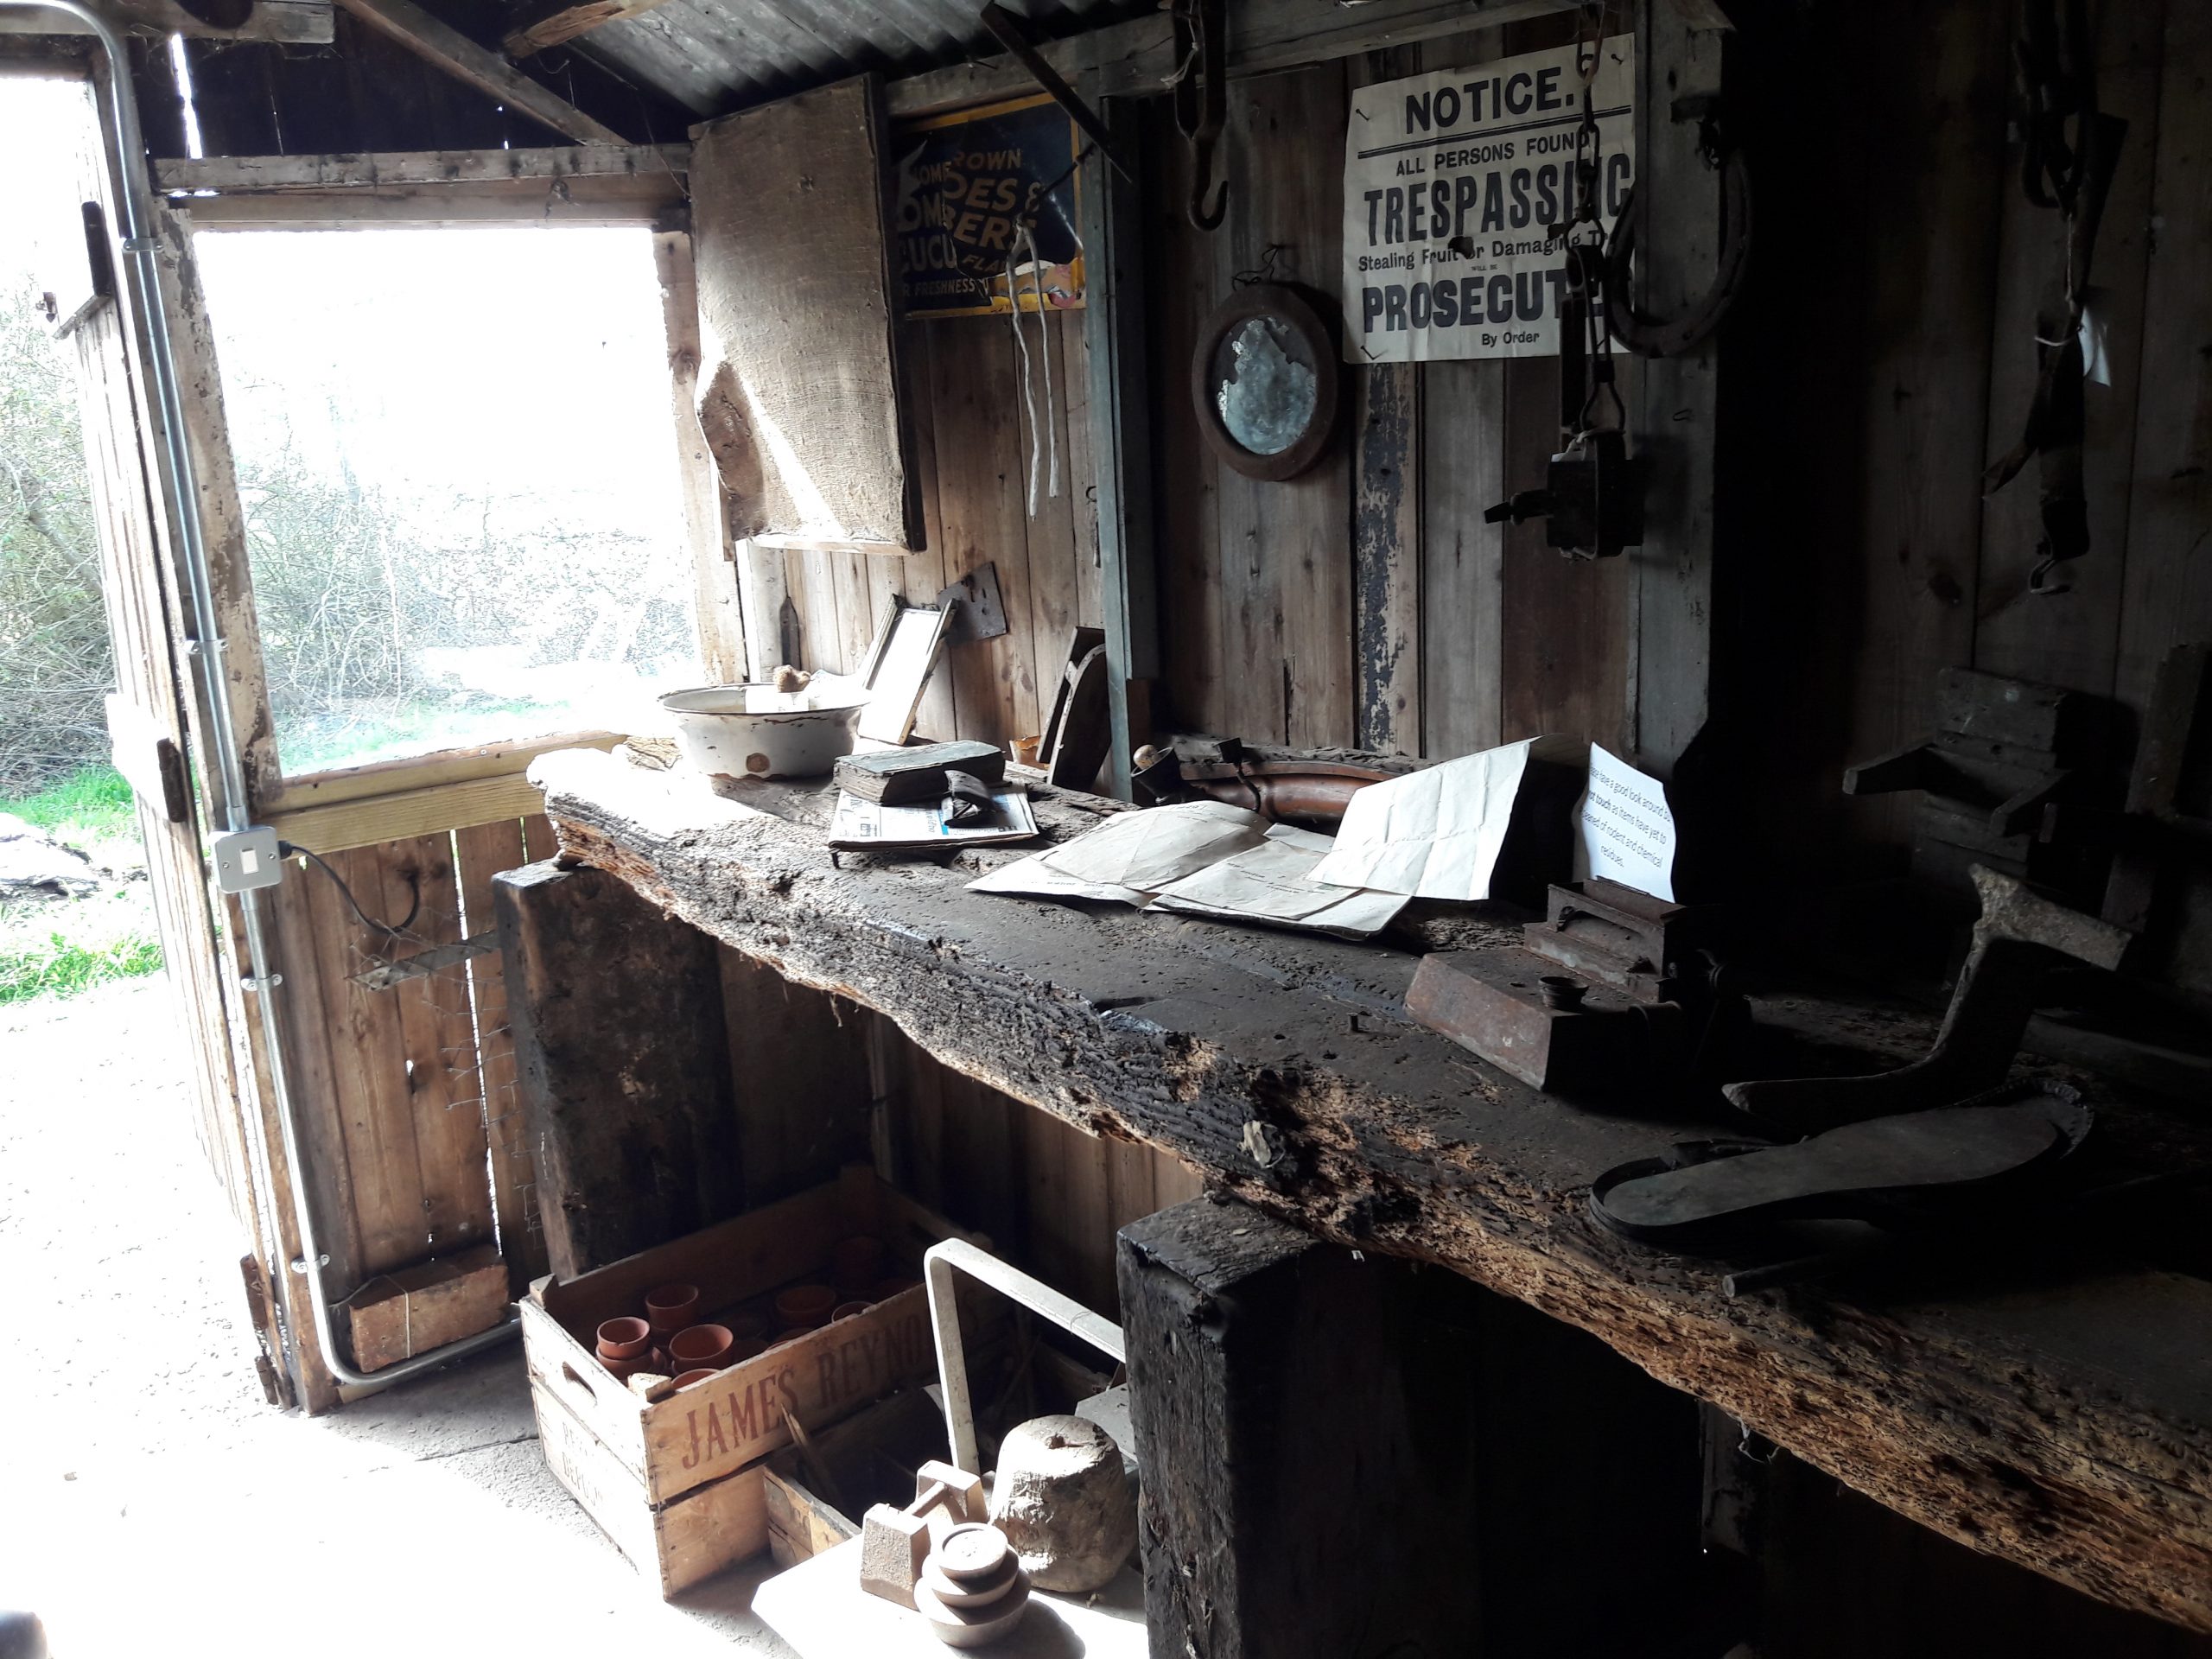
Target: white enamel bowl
(756, 731)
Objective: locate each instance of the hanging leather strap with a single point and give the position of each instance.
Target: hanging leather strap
(2073, 175)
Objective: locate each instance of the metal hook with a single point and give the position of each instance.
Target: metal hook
(1201, 99)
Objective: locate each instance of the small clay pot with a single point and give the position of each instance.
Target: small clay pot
(672, 1308)
(685, 1379)
(856, 1264)
(847, 1310)
(885, 1289)
(625, 1338)
(805, 1306)
(703, 1347)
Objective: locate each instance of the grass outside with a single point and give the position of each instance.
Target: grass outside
(60, 947)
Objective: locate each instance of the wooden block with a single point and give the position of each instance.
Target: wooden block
(398, 1315)
(2017, 713)
(894, 1546)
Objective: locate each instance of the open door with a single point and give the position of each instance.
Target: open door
(148, 713)
(400, 1066)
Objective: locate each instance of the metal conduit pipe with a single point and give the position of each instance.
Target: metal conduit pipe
(225, 766)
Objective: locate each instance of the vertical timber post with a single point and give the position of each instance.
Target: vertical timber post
(622, 1063)
(1121, 439)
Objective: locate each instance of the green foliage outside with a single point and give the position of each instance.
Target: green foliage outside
(56, 667)
(62, 966)
(93, 802)
(55, 670)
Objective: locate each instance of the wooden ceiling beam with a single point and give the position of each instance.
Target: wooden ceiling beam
(440, 43)
(1265, 36)
(385, 169)
(566, 19)
(298, 23)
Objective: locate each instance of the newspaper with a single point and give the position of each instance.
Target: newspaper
(1204, 858)
(863, 825)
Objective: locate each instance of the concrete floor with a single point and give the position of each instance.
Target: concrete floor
(151, 1503)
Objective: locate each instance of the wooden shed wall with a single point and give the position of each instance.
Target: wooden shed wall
(1884, 357)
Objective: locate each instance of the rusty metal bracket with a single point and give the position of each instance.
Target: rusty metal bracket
(1007, 30)
(2020, 938)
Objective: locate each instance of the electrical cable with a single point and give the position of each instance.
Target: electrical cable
(394, 930)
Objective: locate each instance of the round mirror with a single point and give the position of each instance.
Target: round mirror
(1264, 380)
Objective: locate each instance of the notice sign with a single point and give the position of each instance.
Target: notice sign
(1624, 830)
(1450, 182)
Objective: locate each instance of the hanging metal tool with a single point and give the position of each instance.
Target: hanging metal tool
(1593, 492)
(1650, 336)
(2058, 73)
(1201, 97)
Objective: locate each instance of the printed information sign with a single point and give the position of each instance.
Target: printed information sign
(1451, 181)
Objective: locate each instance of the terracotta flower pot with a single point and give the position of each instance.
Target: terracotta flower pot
(684, 1380)
(805, 1306)
(846, 1310)
(855, 1264)
(703, 1347)
(625, 1338)
(672, 1308)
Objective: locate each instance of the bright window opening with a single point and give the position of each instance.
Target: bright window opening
(457, 464)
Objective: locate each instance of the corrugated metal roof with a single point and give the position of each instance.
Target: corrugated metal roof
(712, 56)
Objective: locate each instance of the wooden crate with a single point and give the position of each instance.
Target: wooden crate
(870, 1457)
(674, 1479)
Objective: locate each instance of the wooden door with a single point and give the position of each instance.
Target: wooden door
(147, 714)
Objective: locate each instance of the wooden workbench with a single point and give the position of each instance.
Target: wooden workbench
(2061, 1418)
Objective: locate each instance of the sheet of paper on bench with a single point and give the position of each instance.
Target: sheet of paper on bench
(1624, 830)
(1204, 858)
(1431, 834)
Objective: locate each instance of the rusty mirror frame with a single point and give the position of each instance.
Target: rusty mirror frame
(1293, 314)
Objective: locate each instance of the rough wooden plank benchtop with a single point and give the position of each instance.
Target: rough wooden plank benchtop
(2063, 1422)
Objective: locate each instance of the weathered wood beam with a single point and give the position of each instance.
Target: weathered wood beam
(1136, 58)
(1243, 1334)
(622, 1065)
(564, 21)
(1466, 1436)
(2064, 1423)
(296, 23)
(440, 43)
(384, 170)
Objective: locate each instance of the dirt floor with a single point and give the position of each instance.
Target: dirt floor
(151, 1503)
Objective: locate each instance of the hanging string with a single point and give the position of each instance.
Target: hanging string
(1265, 270)
(1042, 440)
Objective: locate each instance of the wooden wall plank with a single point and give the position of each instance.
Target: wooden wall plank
(438, 1063)
(2169, 579)
(1462, 644)
(922, 574)
(1930, 155)
(980, 481)
(1184, 282)
(2072, 638)
(480, 852)
(1082, 477)
(799, 1067)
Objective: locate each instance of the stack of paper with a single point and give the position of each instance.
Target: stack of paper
(1207, 858)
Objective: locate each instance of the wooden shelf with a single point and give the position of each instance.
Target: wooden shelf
(2061, 1419)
